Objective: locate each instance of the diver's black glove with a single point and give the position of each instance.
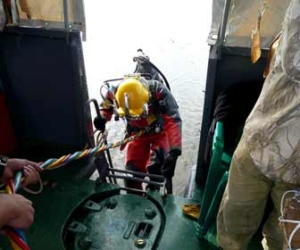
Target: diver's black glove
(168, 168)
(99, 123)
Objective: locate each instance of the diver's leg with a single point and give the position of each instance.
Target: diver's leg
(137, 156)
(243, 203)
(154, 166)
(158, 151)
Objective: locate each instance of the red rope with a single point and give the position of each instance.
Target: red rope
(16, 239)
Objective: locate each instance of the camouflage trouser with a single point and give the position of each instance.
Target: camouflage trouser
(243, 205)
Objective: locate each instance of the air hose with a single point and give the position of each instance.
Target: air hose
(146, 60)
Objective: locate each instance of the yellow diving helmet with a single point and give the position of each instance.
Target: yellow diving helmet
(132, 97)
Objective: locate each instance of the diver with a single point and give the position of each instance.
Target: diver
(143, 100)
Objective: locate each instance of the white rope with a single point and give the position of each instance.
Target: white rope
(40, 190)
(100, 137)
(282, 220)
(283, 198)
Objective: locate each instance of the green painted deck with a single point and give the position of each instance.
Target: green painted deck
(115, 220)
(55, 204)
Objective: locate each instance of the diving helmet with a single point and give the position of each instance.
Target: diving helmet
(132, 97)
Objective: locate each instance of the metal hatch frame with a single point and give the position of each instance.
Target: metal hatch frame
(72, 16)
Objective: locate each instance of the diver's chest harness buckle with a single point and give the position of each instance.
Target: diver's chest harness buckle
(155, 128)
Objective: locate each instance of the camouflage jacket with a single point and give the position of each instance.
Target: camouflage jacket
(272, 130)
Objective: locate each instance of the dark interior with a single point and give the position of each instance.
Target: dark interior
(234, 68)
(44, 93)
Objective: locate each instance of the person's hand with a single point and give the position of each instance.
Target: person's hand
(168, 168)
(15, 211)
(99, 123)
(14, 165)
(31, 175)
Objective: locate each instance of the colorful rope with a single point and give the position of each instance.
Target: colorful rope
(54, 163)
(16, 236)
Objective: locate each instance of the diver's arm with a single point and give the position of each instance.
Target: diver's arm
(106, 112)
(107, 104)
(171, 117)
